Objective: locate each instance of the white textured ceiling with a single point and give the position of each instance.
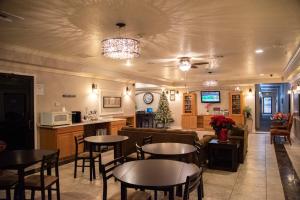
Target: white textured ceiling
(72, 30)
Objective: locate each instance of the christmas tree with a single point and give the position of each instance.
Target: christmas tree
(163, 113)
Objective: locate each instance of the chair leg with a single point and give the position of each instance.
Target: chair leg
(75, 168)
(57, 190)
(289, 138)
(83, 165)
(271, 139)
(49, 194)
(94, 170)
(8, 197)
(104, 190)
(43, 194)
(199, 193)
(32, 194)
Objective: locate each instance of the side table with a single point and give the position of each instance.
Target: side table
(224, 156)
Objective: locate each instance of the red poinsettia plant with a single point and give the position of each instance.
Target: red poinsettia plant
(279, 116)
(220, 122)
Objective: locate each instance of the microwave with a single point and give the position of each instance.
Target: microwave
(55, 118)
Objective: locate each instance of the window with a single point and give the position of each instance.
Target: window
(267, 105)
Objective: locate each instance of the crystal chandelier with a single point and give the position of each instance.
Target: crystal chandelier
(121, 47)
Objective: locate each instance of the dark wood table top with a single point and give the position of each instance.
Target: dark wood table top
(229, 142)
(154, 174)
(21, 158)
(105, 139)
(169, 149)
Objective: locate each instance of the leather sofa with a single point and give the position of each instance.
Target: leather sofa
(241, 134)
(136, 135)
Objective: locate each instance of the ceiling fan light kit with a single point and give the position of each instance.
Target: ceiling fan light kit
(184, 65)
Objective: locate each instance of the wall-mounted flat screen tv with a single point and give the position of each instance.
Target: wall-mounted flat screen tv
(210, 97)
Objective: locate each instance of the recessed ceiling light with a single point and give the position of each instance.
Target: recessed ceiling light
(128, 63)
(261, 74)
(259, 51)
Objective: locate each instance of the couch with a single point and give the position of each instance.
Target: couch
(136, 135)
(241, 134)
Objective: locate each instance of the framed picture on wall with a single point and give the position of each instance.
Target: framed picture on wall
(112, 102)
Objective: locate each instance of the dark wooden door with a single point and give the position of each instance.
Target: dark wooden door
(17, 111)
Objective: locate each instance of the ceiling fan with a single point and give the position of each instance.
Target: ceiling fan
(9, 17)
(185, 63)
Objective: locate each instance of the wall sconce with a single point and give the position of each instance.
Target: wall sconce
(167, 91)
(128, 92)
(94, 88)
(177, 92)
(250, 90)
(289, 91)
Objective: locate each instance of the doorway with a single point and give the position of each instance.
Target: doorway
(270, 98)
(17, 111)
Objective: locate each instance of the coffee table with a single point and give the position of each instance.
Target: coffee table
(224, 155)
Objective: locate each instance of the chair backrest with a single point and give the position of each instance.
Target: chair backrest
(139, 152)
(200, 154)
(48, 162)
(192, 182)
(79, 140)
(147, 140)
(106, 169)
(290, 124)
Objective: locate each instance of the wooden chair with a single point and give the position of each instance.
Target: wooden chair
(201, 161)
(106, 170)
(85, 155)
(44, 182)
(276, 125)
(139, 152)
(7, 182)
(140, 155)
(192, 183)
(147, 140)
(286, 133)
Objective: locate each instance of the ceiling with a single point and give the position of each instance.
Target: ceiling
(73, 30)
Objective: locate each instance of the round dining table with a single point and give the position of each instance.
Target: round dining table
(19, 160)
(153, 174)
(169, 149)
(107, 140)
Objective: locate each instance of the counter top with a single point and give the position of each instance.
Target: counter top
(84, 123)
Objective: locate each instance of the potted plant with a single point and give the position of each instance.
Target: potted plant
(221, 125)
(163, 114)
(247, 112)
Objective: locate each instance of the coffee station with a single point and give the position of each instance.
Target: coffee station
(58, 129)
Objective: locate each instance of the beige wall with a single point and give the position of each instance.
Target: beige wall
(57, 84)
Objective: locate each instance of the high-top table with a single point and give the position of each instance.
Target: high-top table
(153, 174)
(19, 160)
(107, 140)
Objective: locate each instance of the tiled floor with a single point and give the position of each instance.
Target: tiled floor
(258, 178)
